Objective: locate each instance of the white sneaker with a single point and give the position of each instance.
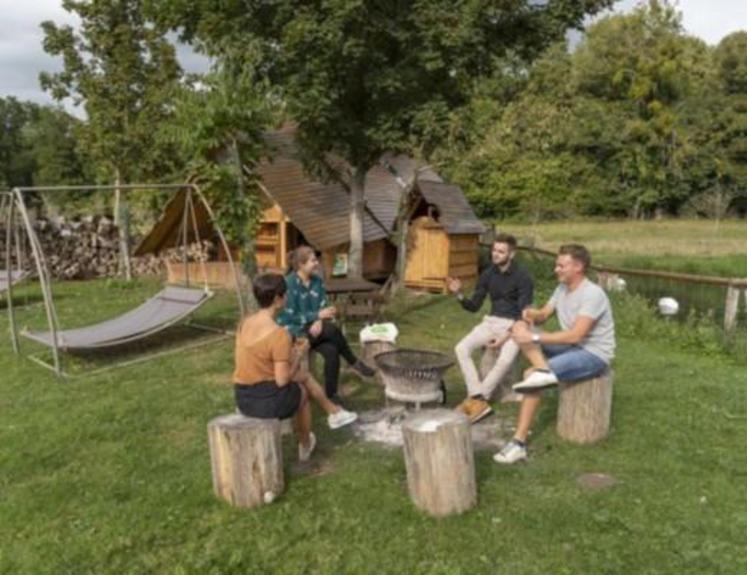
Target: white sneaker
(341, 418)
(304, 453)
(539, 379)
(511, 453)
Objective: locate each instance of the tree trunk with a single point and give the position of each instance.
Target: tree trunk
(247, 459)
(357, 207)
(402, 229)
(440, 461)
(122, 221)
(248, 252)
(402, 226)
(584, 409)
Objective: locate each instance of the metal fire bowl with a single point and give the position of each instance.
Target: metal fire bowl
(414, 364)
(411, 375)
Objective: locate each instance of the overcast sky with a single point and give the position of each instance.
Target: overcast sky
(22, 56)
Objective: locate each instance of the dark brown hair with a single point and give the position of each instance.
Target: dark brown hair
(267, 287)
(507, 239)
(578, 253)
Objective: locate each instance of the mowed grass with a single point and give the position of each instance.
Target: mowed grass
(687, 246)
(111, 474)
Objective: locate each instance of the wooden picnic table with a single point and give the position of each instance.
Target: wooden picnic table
(354, 298)
(338, 286)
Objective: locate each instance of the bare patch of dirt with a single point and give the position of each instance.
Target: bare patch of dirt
(596, 481)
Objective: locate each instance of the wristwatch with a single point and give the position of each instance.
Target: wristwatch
(535, 338)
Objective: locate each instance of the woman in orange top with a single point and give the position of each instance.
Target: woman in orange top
(269, 380)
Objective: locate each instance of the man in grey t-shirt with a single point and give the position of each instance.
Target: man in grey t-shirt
(582, 349)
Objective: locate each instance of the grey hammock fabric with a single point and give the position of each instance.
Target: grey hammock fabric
(15, 277)
(161, 311)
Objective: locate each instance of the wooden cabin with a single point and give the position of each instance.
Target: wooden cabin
(300, 210)
(443, 238)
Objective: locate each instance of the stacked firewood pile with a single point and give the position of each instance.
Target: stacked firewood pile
(81, 248)
(196, 252)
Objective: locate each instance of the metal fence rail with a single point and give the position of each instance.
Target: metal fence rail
(717, 297)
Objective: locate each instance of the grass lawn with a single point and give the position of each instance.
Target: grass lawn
(111, 474)
(689, 246)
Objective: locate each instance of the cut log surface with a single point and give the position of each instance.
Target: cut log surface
(247, 459)
(584, 409)
(439, 461)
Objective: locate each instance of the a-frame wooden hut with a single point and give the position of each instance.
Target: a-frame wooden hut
(299, 210)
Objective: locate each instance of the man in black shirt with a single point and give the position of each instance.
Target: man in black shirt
(510, 289)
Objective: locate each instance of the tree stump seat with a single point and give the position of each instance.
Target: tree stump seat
(247, 459)
(584, 409)
(370, 350)
(439, 461)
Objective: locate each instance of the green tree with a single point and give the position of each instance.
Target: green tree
(731, 141)
(123, 70)
(607, 129)
(53, 143)
(362, 77)
(217, 127)
(644, 62)
(16, 158)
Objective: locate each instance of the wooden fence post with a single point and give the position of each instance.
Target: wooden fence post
(731, 309)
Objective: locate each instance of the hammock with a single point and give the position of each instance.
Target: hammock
(166, 308)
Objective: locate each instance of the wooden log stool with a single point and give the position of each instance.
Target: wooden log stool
(370, 350)
(439, 461)
(247, 459)
(584, 409)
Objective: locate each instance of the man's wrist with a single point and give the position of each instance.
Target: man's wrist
(536, 338)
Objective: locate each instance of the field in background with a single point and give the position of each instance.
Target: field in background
(688, 246)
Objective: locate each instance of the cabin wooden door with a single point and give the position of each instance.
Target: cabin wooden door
(428, 254)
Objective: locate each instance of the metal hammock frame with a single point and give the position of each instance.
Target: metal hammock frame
(8, 276)
(54, 338)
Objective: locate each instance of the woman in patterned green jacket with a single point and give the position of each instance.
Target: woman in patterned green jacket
(308, 314)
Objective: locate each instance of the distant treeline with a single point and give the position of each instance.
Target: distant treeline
(638, 120)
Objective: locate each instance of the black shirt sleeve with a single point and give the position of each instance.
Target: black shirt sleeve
(526, 291)
(474, 303)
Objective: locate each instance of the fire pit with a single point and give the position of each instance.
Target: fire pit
(413, 376)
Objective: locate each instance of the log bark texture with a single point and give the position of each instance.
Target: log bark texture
(439, 461)
(584, 409)
(370, 350)
(247, 459)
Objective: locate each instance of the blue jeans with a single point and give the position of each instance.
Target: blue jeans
(572, 363)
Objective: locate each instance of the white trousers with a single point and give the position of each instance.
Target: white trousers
(490, 328)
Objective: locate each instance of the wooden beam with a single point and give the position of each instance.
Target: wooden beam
(283, 241)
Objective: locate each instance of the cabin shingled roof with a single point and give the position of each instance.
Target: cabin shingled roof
(456, 215)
